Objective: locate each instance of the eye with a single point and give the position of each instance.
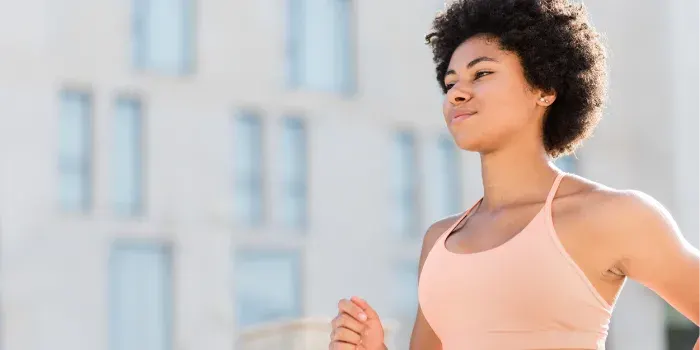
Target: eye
(449, 86)
(480, 74)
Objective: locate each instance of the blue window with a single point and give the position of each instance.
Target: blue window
(448, 181)
(405, 185)
(128, 157)
(75, 151)
(321, 45)
(248, 169)
(294, 172)
(405, 297)
(406, 291)
(140, 297)
(163, 35)
(267, 286)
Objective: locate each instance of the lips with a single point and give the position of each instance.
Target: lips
(459, 116)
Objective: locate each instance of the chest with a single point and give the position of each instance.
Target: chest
(565, 230)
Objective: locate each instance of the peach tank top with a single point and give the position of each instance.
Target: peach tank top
(527, 293)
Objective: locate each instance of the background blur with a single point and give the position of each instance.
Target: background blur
(217, 174)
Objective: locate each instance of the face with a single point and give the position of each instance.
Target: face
(489, 104)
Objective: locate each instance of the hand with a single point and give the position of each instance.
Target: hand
(357, 327)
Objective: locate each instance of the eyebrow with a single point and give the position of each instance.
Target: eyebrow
(473, 63)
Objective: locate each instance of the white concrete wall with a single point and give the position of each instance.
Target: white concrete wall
(53, 267)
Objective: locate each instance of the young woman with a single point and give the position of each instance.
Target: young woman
(538, 262)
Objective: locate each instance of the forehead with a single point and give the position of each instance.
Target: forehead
(475, 47)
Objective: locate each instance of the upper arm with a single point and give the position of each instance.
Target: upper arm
(655, 253)
(423, 337)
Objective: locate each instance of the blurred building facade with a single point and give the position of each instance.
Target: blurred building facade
(175, 173)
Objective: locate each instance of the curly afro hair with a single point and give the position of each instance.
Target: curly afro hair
(557, 47)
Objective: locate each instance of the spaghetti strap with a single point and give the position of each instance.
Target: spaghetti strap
(553, 190)
(462, 218)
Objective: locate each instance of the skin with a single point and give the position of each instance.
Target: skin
(631, 235)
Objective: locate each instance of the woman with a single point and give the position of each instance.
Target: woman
(538, 262)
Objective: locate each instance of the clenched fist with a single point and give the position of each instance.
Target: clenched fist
(357, 327)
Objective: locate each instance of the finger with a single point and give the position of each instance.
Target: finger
(352, 309)
(349, 322)
(346, 336)
(342, 346)
(364, 306)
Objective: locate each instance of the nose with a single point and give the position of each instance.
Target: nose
(458, 95)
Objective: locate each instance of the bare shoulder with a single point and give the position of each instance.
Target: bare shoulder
(434, 232)
(611, 203)
(438, 228)
(617, 214)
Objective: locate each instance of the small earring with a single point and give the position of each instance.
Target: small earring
(543, 100)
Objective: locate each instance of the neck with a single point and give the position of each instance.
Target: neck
(512, 175)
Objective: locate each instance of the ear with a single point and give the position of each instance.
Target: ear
(545, 99)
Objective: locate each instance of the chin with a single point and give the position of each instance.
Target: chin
(470, 144)
(479, 142)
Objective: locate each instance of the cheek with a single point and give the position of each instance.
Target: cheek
(505, 105)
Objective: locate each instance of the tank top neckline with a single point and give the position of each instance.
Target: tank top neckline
(544, 210)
